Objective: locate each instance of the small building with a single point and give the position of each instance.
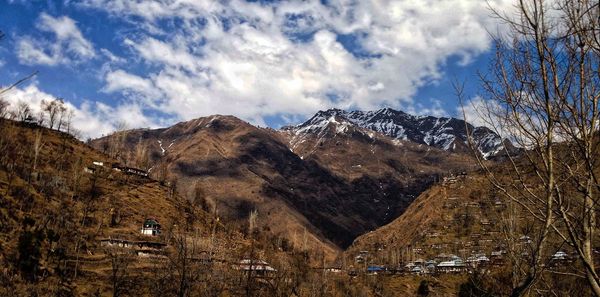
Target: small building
(333, 269)
(258, 267)
(130, 170)
(90, 170)
(375, 269)
(525, 239)
(120, 243)
(417, 270)
(29, 120)
(430, 266)
(443, 257)
(560, 258)
(419, 262)
(455, 265)
(477, 260)
(145, 249)
(151, 227)
(560, 255)
(361, 257)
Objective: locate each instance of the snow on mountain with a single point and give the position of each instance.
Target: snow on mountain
(449, 134)
(320, 126)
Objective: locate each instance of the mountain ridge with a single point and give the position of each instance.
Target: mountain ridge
(446, 133)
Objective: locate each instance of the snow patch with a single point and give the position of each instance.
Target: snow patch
(161, 147)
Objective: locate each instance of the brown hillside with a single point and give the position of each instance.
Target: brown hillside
(457, 216)
(347, 185)
(236, 168)
(56, 207)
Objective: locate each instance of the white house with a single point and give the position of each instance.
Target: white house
(151, 227)
(259, 267)
(454, 265)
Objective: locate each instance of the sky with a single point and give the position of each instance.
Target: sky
(152, 63)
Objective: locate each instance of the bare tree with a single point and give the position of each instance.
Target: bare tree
(116, 142)
(62, 116)
(22, 112)
(4, 108)
(252, 217)
(54, 110)
(543, 93)
(141, 155)
(161, 171)
(12, 153)
(120, 260)
(4, 104)
(184, 262)
(38, 144)
(67, 121)
(40, 118)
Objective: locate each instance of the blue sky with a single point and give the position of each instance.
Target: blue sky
(153, 63)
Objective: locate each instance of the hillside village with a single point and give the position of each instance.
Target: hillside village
(129, 227)
(465, 237)
(135, 214)
(464, 245)
(300, 148)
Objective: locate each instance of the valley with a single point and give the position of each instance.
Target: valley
(326, 180)
(232, 203)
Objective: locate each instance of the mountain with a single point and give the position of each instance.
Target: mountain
(449, 134)
(229, 190)
(317, 193)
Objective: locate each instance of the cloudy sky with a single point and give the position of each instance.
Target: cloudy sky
(151, 63)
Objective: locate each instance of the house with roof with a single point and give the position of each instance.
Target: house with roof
(90, 170)
(375, 269)
(559, 258)
(361, 257)
(477, 260)
(151, 227)
(141, 248)
(256, 266)
(560, 255)
(456, 265)
(417, 270)
(130, 170)
(333, 269)
(430, 266)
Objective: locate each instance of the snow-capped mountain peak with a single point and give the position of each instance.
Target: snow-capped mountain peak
(449, 134)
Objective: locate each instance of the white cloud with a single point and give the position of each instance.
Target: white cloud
(488, 113)
(31, 51)
(123, 81)
(253, 60)
(67, 45)
(112, 58)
